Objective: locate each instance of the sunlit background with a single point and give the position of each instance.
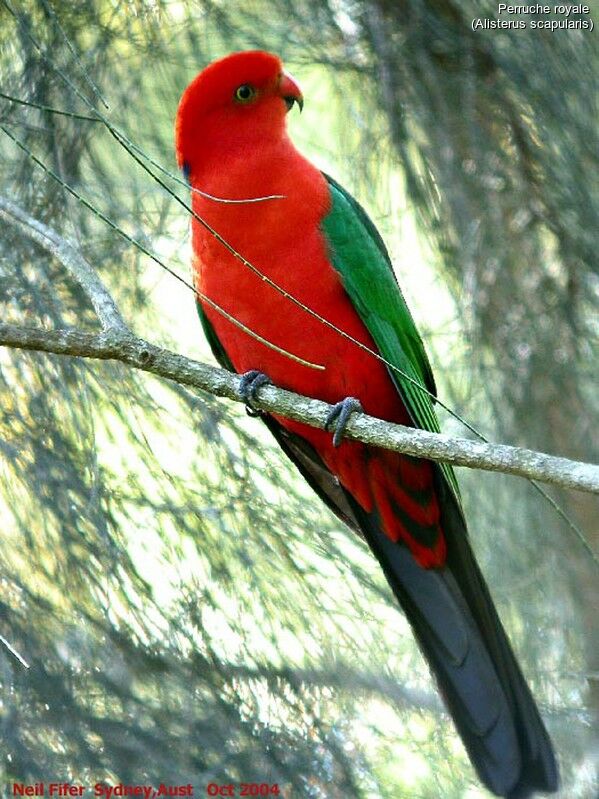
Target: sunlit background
(189, 611)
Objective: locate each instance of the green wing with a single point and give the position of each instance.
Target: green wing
(359, 254)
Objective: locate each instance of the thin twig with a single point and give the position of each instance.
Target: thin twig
(49, 109)
(75, 55)
(14, 652)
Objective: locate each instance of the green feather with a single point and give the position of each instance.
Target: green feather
(359, 254)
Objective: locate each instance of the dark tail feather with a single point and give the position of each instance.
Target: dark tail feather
(459, 632)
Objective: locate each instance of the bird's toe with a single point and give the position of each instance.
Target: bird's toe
(341, 413)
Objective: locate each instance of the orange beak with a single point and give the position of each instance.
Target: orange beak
(290, 91)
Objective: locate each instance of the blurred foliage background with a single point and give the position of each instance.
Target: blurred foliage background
(189, 611)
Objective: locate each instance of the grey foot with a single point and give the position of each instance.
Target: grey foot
(248, 386)
(341, 412)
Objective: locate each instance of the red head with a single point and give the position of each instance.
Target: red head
(234, 102)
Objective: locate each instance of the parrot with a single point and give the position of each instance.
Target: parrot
(296, 287)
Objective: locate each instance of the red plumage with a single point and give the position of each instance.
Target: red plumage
(237, 152)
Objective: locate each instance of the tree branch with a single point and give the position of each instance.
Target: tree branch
(70, 257)
(133, 351)
(117, 342)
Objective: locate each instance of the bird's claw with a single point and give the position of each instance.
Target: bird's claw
(341, 412)
(249, 384)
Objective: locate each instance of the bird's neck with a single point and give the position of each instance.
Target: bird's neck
(250, 169)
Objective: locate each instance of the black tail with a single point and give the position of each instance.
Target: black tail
(459, 632)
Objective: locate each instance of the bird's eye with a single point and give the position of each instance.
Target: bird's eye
(245, 93)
